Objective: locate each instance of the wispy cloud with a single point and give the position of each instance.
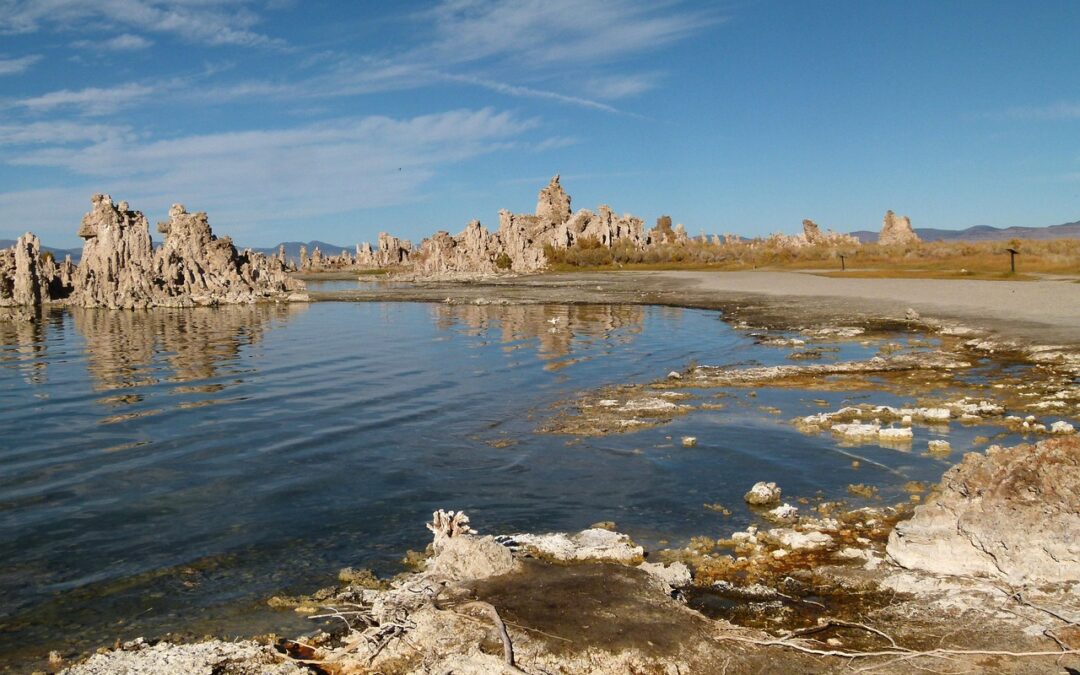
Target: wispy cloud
(91, 100)
(16, 66)
(543, 32)
(60, 133)
(121, 43)
(271, 175)
(622, 86)
(1055, 111)
(529, 92)
(214, 22)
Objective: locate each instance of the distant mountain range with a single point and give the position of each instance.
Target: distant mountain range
(292, 248)
(987, 233)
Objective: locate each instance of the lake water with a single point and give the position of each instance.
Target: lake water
(171, 469)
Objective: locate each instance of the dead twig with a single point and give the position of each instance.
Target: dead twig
(508, 646)
(901, 651)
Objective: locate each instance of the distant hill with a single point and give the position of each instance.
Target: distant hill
(987, 233)
(58, 253)
(292, 248)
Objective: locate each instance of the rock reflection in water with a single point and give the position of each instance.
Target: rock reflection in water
(23, 342)
(555, 328)
(130, 349)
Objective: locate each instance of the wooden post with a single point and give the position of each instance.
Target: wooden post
(843, 266)
(1012, 258)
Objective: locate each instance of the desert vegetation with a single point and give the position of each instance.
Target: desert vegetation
(920, 259)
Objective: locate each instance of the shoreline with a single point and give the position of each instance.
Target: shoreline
(1045, 311)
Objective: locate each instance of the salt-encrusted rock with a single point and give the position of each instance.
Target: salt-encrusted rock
(938, 447)
(895, 434)
(800, 541)
(592, 544)
(1062, 427)
(762, 494)
(857, 430)
(460, 554)
(211, 656)
(1012, 513)
(673, 575)
(785, 513)
(896, 230)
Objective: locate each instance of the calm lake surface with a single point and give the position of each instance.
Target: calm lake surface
(172, 469)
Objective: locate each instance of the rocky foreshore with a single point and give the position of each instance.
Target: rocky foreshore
(814, 594)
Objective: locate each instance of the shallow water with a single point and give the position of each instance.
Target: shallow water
(171, 469)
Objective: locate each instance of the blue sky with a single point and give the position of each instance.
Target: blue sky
(331, 120)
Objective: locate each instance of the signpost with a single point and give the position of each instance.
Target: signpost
(1012, 258)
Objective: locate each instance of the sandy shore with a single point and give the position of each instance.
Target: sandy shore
(1039, 312)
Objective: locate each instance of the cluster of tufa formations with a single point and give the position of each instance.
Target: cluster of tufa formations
(120, 268)
(523, 241)
(518, 244)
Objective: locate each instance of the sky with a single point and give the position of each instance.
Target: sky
(299, 120)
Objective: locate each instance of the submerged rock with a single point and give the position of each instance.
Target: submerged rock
(1009, 513)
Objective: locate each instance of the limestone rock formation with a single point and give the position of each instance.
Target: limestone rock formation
(193, 267)
(390, 251)
(896, 230)
(120, 268)
(27, 278)
(1011, 513)
(811, 236)
(553, 204)
(811, 231)
(117, 262)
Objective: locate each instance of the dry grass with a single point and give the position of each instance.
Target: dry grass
(939, 260)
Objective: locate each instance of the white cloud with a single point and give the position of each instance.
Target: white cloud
(91, 100)
(277, 174)
(121, 43)
(540, 32)
(59, 133)
(214, 22)
(16, 66)
(622, 86)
